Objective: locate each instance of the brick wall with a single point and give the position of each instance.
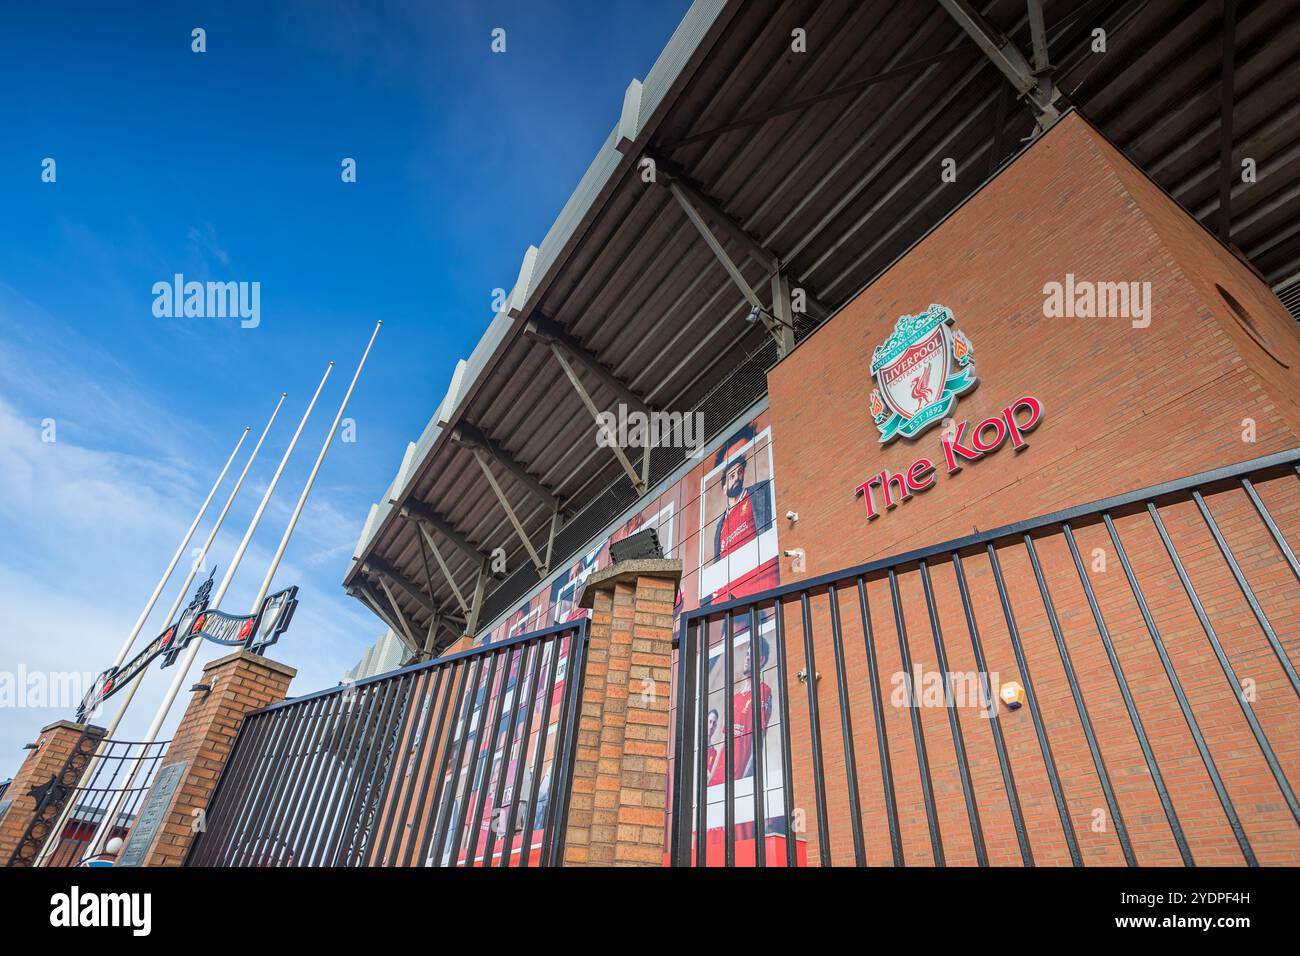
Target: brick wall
(53, 747)
(1125, 408)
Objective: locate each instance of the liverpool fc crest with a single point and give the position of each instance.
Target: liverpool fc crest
(919, 371)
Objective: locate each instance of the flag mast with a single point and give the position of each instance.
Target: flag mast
(183, 671)
(153, 598)
(49, 847)
(311, 478)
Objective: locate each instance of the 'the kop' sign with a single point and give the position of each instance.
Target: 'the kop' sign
(962, 444)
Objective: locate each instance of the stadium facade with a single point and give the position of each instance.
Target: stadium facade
(966, 361)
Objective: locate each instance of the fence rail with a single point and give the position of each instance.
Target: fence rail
(746, 763)
(462, 761)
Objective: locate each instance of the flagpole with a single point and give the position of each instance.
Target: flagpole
(183, 670)
(311, 478)
(49, 847)
(153, 598)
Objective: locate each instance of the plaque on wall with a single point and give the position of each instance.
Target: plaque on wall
(151, 815)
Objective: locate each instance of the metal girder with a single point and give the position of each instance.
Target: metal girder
(363, 590)
(419, 511)
(407, 626)
(1227, 174)
(697, 204)
(1038, 36)
(595, 415)
(471, 622)
(550, 332)
(784, 314)
(471, 437)
(481, 457)
(1038, 89)
(378, 566)
(853, 87)
(442, 566)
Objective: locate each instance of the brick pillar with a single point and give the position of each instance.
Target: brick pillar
(620, 773)
(239, 683)
(53, 748)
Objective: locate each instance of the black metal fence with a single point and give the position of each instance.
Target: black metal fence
(462, 761)
(745, 762)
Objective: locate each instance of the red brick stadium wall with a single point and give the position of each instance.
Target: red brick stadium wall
(1125, 408)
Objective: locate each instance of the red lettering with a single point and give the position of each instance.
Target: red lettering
(952, 447)
(921, 475)
(977, 440)
(864, 489)
(1015, 428)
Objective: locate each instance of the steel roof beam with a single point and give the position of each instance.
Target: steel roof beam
(481, 457)
(552, 333)
(442, 566)
(378, 566)
(1227, 174)
(1036, 88)
(365, 592)
(595, 416)
(421, 512)
(407, 625)
(471, 437)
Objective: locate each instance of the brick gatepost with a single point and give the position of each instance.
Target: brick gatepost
(53, 748)
(620, 773)
(239, 683)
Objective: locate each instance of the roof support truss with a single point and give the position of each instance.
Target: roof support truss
(1036, 87)
(545, 330)
(381, 568)
(407, 626)
(446, 571)
(362, 589)
(595, 415)
(472, 438)
(1227, 174)
(481, 457)
(419, 511)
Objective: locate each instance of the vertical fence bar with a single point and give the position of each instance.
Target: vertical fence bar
(757, 729)
(1157, 778)
(414, 722)
(1249, 594)
(356, 709)
(435, 829)
(815, 730)
(1265, 748)
(882, 735)
(432, 749)
(564, 777)
(488, 745)
(954, 724)
(328, 723)
(994, 718)
(787, 772)
(683, 760)
(539, 761)
(452, 821)
(846, 731)
(729, 705)
(1171, 673)
(1040, 729)
(1273, 529)
(702, 750)
(534, 672)
(918, 733)
(1085, 721)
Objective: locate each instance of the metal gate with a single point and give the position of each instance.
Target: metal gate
(71, 804)
(462, 761)
(1177, 590)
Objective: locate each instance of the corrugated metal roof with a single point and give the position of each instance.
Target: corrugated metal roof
(836, 183)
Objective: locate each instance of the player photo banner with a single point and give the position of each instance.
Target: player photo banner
(919, 371)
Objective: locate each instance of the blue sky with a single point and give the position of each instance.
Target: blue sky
(225, 166)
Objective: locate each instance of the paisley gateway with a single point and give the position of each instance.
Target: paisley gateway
(960, 444)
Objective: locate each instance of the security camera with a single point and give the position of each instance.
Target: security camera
(792, 516)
